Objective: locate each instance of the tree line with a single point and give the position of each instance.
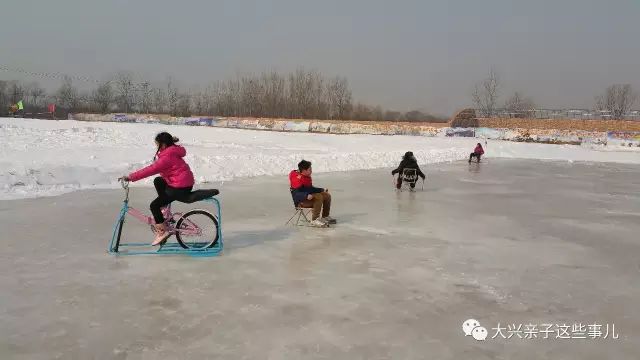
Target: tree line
(616, 102)
(301, 94)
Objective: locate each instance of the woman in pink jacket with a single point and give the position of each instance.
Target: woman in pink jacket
(174, 183)
(477, 153)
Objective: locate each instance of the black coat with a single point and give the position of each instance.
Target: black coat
(408, 164)
(300, 194)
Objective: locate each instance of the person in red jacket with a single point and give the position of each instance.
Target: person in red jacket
(304, 194)
(477, 153)
(174, 183)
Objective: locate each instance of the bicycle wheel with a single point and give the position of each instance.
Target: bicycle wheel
(119, 230)
(197, 229)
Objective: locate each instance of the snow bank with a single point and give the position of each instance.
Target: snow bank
(45, 157)
(567, 132)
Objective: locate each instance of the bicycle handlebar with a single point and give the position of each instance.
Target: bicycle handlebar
(125, 185)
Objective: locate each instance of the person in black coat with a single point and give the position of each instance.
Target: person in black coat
(408, 162)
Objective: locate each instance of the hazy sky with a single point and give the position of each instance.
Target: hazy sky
(398, 54)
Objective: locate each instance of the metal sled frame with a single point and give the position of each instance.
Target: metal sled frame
(172, 248)
(409, 176)
(302, 216)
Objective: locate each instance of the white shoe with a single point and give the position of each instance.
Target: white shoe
(329, 220)
(318, 223)
(162, 234)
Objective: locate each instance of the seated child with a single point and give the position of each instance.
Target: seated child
(477, 153)
(306, 195)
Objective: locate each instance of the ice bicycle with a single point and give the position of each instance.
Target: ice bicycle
(197, 232)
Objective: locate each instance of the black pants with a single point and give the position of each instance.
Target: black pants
(474, 155)
(166, 195)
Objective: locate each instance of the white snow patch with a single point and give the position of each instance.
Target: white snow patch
(46, 157)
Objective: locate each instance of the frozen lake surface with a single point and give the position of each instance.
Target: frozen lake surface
(506, 241)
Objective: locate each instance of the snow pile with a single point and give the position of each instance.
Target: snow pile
(44, 157)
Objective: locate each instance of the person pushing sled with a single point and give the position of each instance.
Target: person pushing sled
(408, 171)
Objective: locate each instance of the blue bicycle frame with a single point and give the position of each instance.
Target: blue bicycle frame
(167, 248)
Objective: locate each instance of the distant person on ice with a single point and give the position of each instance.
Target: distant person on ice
(408, 162)
(306, 195)
(477, 153)
(174, 183)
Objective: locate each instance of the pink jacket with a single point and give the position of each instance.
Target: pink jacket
(170, 165)
(478, 150)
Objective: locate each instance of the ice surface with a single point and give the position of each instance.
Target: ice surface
(507, 241)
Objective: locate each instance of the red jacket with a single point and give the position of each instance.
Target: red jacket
(301, 186)
(297, 180)
(171, 166)
(478, 150)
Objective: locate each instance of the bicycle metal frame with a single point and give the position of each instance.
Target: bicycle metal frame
(172, 248)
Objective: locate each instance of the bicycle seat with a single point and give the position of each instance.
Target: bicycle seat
(199, 195)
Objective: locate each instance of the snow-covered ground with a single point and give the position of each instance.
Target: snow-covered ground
(44, 157)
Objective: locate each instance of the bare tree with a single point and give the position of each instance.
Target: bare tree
(4, 98)
(227, 97)
(362, 112)
(16, 92)
(274, 97)
(219, 93)
(37, 94)
(390, 115)
(518, 105)
(305, 88)
(26, 91)
(84, 102)
(125, 90)
(251, 94)
(68, 95)
(319, 106)
(159, 101)
(377, 114)
(103, 97)
(234, 96)
(339, 96)
(145, 97)
(199, 101)
(618, 100)
(183, 105)
(414, 115)
(172, 97)
(303, 93)
(203, 101)
(485, 94)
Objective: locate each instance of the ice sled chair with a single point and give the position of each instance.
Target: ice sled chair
(409, 179)
(302, 213)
